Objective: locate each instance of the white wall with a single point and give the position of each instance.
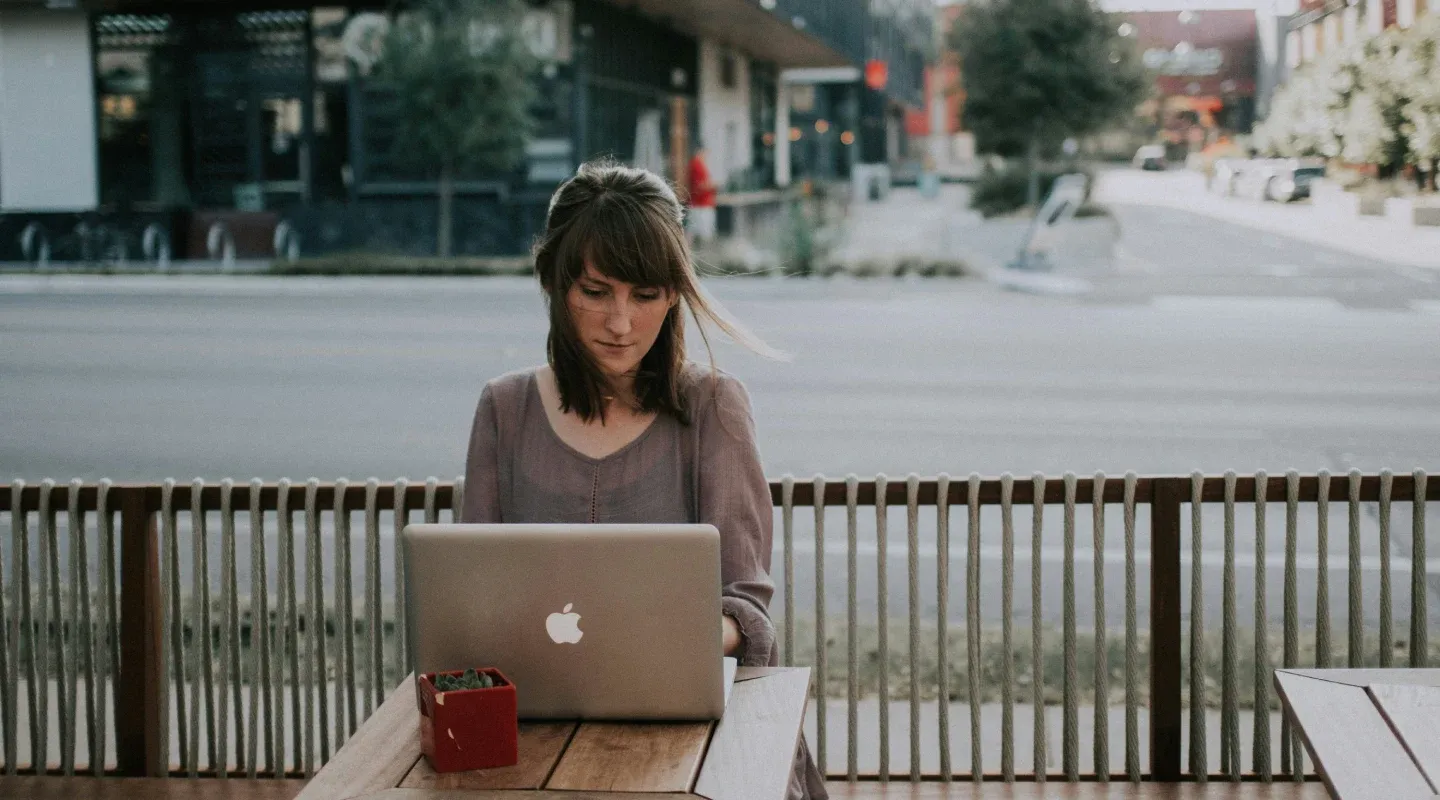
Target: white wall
(47, 112)
(724, 112)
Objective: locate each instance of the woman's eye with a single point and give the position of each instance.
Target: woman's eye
(647, 296)
(588, 292)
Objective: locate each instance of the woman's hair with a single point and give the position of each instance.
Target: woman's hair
(629, 225)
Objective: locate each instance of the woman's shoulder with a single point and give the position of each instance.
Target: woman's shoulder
(511, 387)
(710, 390)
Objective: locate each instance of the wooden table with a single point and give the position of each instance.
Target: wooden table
(1373, 733)
(747, 755)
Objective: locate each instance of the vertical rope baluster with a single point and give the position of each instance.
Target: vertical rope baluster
(172, 616)
(1260, 736)
(402, 629)
(1132, 643)
(852, 698)
(942, 601)
(1322, 571)
(912, 551)
(1102, 665)
(1007, 644)
(1229, 692)
(972, 625)
(1070, 743)
(344, 668)
(80, 635)
(7, 702)
(202, 664)
(317, 694)
(1355, 627)
(352, 707)
(432, 510)
(110, 609)
(260, 624)
(40, 748)
(1199, 759)
(882, 601)
(822, 672)
(1291, 761)
(286, 661)
(1037, 665)
(28, 639)
(787, 519)
(1387, 633)
(457, 498)
(57, 639)
(1419, 633)
(8, 732)
(226, 621)
(257, 635)
(237, 662)
(18, 624)
(167, 613)
(374, 681)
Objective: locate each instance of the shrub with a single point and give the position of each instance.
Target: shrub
(1003, 191)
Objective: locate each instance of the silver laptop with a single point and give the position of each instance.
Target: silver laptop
(589, 621)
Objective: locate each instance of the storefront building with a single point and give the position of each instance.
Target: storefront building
(122, 117)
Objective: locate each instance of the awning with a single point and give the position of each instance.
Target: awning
(746, 26)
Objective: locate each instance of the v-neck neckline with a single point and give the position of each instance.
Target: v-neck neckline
(539, 399)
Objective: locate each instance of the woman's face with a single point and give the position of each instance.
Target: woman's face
(616, 322)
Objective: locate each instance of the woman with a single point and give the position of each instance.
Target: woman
(619, 426)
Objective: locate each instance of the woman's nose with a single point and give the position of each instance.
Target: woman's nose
(617, 321)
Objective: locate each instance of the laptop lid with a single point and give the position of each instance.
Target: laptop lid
(589, 621)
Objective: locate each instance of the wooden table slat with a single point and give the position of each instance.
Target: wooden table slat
(1351, 743)
(632, 757)
(1395, 676)
(1414, 714)
(378, 756)
(506, 794)
(753, 750)
(540, 746)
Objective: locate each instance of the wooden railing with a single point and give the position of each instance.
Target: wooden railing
(149, 634)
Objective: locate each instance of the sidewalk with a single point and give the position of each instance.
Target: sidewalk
(907, 225)
(1367, 236)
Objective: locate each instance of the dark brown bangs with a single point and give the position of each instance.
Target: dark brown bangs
(626, 241)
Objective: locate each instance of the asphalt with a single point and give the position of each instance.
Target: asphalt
(1201, 349)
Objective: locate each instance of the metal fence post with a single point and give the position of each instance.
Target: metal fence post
(138, 714)
(1166, 686)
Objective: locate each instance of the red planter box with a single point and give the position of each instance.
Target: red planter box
(470, 728)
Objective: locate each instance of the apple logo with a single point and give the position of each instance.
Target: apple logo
(564, 628)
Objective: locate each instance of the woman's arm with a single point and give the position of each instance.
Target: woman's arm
(735, 498)
(481, 502)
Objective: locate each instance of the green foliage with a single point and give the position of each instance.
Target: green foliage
(1376, 101)
(469, 680)
(1038, 71)
(457, 75)
(1003, 191)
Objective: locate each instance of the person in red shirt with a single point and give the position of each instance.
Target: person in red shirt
(701, 218)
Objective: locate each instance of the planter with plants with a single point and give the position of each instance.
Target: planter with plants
(468, 720)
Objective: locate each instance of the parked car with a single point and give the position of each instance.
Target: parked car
(1280, 180)
(1150, 157)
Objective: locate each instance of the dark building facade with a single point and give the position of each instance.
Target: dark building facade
(260, 114)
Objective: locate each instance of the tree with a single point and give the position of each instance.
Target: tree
(1421, 76)
(458, 77)
(1373, 102)
(1038, 71)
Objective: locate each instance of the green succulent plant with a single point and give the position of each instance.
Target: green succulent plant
(470, 680)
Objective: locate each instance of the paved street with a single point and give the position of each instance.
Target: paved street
(1210, 346)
